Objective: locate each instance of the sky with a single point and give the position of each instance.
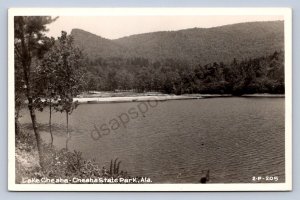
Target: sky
(113, 27)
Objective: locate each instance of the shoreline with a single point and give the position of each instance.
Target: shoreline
(96, 100)
(164, 97)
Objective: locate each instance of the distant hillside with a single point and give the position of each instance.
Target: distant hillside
(201, 45)
(95, 46)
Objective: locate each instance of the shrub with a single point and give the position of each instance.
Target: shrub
(58, 163)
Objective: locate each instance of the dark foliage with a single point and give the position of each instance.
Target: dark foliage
(258, 75)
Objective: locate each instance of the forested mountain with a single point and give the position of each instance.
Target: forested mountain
(196, 45)
(233, 59)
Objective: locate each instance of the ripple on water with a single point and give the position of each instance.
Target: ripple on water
(234, 138)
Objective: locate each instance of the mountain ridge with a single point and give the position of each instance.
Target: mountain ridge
(202, 45)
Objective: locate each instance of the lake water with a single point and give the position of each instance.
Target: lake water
(234, 138)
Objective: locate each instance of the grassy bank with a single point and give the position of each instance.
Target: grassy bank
(59, 164)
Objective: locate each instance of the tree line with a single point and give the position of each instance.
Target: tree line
(254, 75)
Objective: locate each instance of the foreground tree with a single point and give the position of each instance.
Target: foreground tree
(66, 65)
(47, 84)
(30, 44)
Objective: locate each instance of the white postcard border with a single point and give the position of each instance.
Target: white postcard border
(286, 12)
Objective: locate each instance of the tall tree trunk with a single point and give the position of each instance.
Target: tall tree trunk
(26, 65)
(17, 124)
(17, 115)
(50, 123)
(35, 129)
(68, 134)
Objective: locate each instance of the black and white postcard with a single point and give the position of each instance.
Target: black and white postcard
(150, 99)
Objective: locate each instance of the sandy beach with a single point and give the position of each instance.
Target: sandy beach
(133, 98)
(160, 97)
